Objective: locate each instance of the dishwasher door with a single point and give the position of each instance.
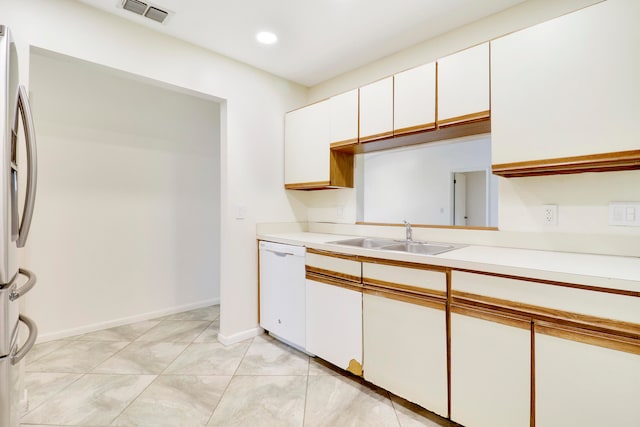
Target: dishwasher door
(282, 292)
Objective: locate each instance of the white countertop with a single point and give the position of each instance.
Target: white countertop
(604, 271)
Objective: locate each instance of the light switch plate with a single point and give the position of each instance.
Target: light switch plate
(624, 214)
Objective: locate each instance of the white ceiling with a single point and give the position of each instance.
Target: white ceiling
(317, 40)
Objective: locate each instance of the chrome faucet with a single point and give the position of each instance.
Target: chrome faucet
(407, 228)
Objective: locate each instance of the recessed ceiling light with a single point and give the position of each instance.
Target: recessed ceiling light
(266, 37)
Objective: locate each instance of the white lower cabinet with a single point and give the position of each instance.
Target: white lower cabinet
(334, 324)
(585, 385)
(405, 348)
(490, 373)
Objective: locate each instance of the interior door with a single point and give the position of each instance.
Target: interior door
(459, 199)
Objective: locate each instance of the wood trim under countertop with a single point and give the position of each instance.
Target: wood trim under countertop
(508, 319)
(544, 314)
(554, 283)
(408, 289)
(600, 339)
(353, 286)
(406, 264)
(332, 254)
(422, 300)
(603, 162)
(330, 273)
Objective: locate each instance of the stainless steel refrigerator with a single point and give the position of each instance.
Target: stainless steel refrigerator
(15, 120)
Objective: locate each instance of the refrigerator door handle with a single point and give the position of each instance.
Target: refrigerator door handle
(30, 137)
(31, 281)
(31, 340)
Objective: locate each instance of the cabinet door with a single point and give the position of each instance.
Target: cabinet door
(585, 385)
(405, 349)
(306, 145)
(569, 86)
(343, 119)
(463, 86)
(376, 110)
(334, 324)
(414, 99)
(490, 371)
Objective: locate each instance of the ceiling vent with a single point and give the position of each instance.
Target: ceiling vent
(147, 10)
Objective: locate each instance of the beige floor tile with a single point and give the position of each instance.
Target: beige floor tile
(256, 401)
(268, 356)
(210, 334)
(175, 331)
(318, 366)
(412, 415)
(76, 357)
(42, 349)
(339, 401)
(91, 400)
(175, 401)
(205, 313)
(142, 358)
(119, 333)
(43, 385)
(208, 359)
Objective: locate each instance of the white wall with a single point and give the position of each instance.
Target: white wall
(582, 199)
(128, 207)
(252, 114)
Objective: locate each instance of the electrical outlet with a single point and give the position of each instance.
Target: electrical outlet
(340, 212)
(550, 214)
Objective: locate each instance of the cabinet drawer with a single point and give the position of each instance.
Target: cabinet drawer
(548, 296)
(334, 265)
(405, 278)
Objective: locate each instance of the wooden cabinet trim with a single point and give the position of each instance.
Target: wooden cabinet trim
(555, 283)
(307, 185)
(405, 289)
(330, 273)
(490, 315)
(537, 313)
(353, 286)
(414, 129)
(332, 254)
(394, 263)
(600, 339)
(375, 137)
(604, 162)
(467, 118)
(423, 300)
(344, 143)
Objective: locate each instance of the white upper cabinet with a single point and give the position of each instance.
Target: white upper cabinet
(414, 99)
(568, 87)
(306, 145)
(463, 86)
(376, 110)
(343, 118)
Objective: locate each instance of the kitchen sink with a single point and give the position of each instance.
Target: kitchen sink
(413, 247)
(365, 242)
(419, 248)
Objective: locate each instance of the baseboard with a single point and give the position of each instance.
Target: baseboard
(240, 336)
(125, 320)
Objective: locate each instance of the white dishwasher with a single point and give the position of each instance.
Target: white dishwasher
(282, 292)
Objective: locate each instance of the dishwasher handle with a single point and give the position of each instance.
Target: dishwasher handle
(279, 253)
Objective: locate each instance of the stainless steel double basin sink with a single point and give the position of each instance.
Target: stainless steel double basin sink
(414, 247)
